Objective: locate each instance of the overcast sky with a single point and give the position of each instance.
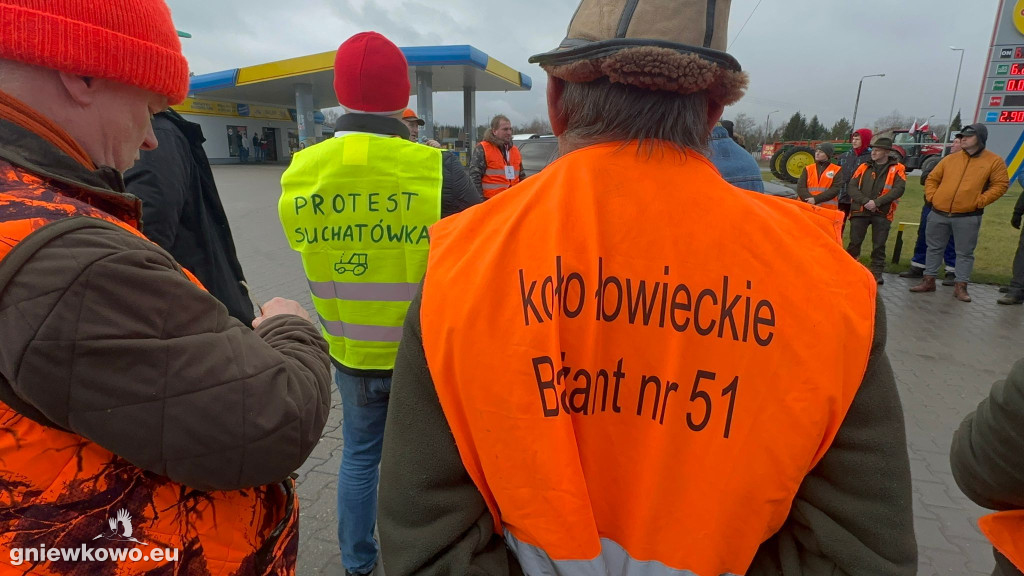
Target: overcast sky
(801, 54)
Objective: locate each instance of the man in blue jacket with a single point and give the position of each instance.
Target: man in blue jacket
(735, 164)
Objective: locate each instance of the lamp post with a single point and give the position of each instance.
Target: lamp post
(765, 143)
(857, 103)
(952, 105)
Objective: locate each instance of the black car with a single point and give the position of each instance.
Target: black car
(537, 152)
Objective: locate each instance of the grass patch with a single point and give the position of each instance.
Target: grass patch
(997, 242)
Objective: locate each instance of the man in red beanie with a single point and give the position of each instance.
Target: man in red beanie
(850, 161)
(601, 377)
(142, 425)
(357, 208)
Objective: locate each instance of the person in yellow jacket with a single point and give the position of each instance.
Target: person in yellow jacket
(358, 208)
(608, 370)
(959, 189)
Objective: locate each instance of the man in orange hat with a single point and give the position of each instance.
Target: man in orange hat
(414, 122)
(358, 209)
(601, 376)
(139, 418)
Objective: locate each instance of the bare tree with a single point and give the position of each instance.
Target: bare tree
(748, 128)
(894, 120)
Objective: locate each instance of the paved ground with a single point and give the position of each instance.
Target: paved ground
(945, 355)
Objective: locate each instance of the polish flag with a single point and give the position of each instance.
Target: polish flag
(913, 129)
(923, 127)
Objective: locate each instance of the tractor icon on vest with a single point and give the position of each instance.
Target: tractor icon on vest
(357, 264)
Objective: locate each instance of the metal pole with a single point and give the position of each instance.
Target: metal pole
(766, 125)
(952, 105)
(857, 104)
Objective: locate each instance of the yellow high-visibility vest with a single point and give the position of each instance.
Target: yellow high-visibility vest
(358, 209)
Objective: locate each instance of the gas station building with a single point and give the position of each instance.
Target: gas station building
(281, 100)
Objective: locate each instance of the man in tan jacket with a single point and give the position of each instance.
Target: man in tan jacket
(959, 188)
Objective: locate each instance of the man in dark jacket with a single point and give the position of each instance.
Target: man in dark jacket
(497, 137)
(1015, 294)
(875, 190)
(183, 214)
(850, 161)
(987, 455)
(457, 191)
(122, 382)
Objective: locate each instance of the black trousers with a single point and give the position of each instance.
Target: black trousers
(1017, 283)
(880, 226)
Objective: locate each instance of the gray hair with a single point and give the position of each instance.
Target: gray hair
(604, 111)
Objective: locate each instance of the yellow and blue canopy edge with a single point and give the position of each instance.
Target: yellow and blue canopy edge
(417, 56)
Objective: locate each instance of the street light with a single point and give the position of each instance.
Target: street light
(765, 143)
(857, 103)
(949, 125)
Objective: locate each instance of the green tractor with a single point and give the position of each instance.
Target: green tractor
(790, 158)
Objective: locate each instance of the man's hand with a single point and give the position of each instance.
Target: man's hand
(1015, 221)
(870, 206)
(810, 201)
(278, 306)
(433, 143)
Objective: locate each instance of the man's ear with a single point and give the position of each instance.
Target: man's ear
(556, 86)
(81, 89)
(715, 110)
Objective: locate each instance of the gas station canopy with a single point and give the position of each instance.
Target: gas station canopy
(307, 82)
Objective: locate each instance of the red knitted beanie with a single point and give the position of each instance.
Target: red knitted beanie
(371, 75)
(131, 41)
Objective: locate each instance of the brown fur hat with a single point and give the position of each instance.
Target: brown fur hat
(672, 45)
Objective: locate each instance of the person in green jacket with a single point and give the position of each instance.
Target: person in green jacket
(987, 454)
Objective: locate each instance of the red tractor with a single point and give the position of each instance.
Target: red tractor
(918, 151)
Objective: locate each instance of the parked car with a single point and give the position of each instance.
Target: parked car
(537, 152)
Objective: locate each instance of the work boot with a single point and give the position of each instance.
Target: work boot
(950, 279)
(912, 272)
(879, 279)
(927, 285)
(1012, 297)
(960, 292)
(1004, 289)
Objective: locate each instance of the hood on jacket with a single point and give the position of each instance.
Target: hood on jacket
(865, 140)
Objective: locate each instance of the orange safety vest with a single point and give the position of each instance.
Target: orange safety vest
(495, 180)
(634, 389)
(890, 178)
(61, 490)
(816, 185)
(1006, 532)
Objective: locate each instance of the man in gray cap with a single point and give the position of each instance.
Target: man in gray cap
(959, 189)
(875, 190)
(617, 381)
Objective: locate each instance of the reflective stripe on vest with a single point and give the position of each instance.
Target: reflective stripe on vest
(358, 208)
(613, 559)
(1006, 532)
(607, 384)
(61, 489)
(494, 180)
(890, 180)
(816, 185)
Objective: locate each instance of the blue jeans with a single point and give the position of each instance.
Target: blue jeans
(364, 409)
(921, 248)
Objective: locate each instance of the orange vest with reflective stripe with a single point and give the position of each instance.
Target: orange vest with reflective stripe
(495, 180)
(626, 378)
(890, 178)
(816, 185)
(61, 490)
(1006, 532)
